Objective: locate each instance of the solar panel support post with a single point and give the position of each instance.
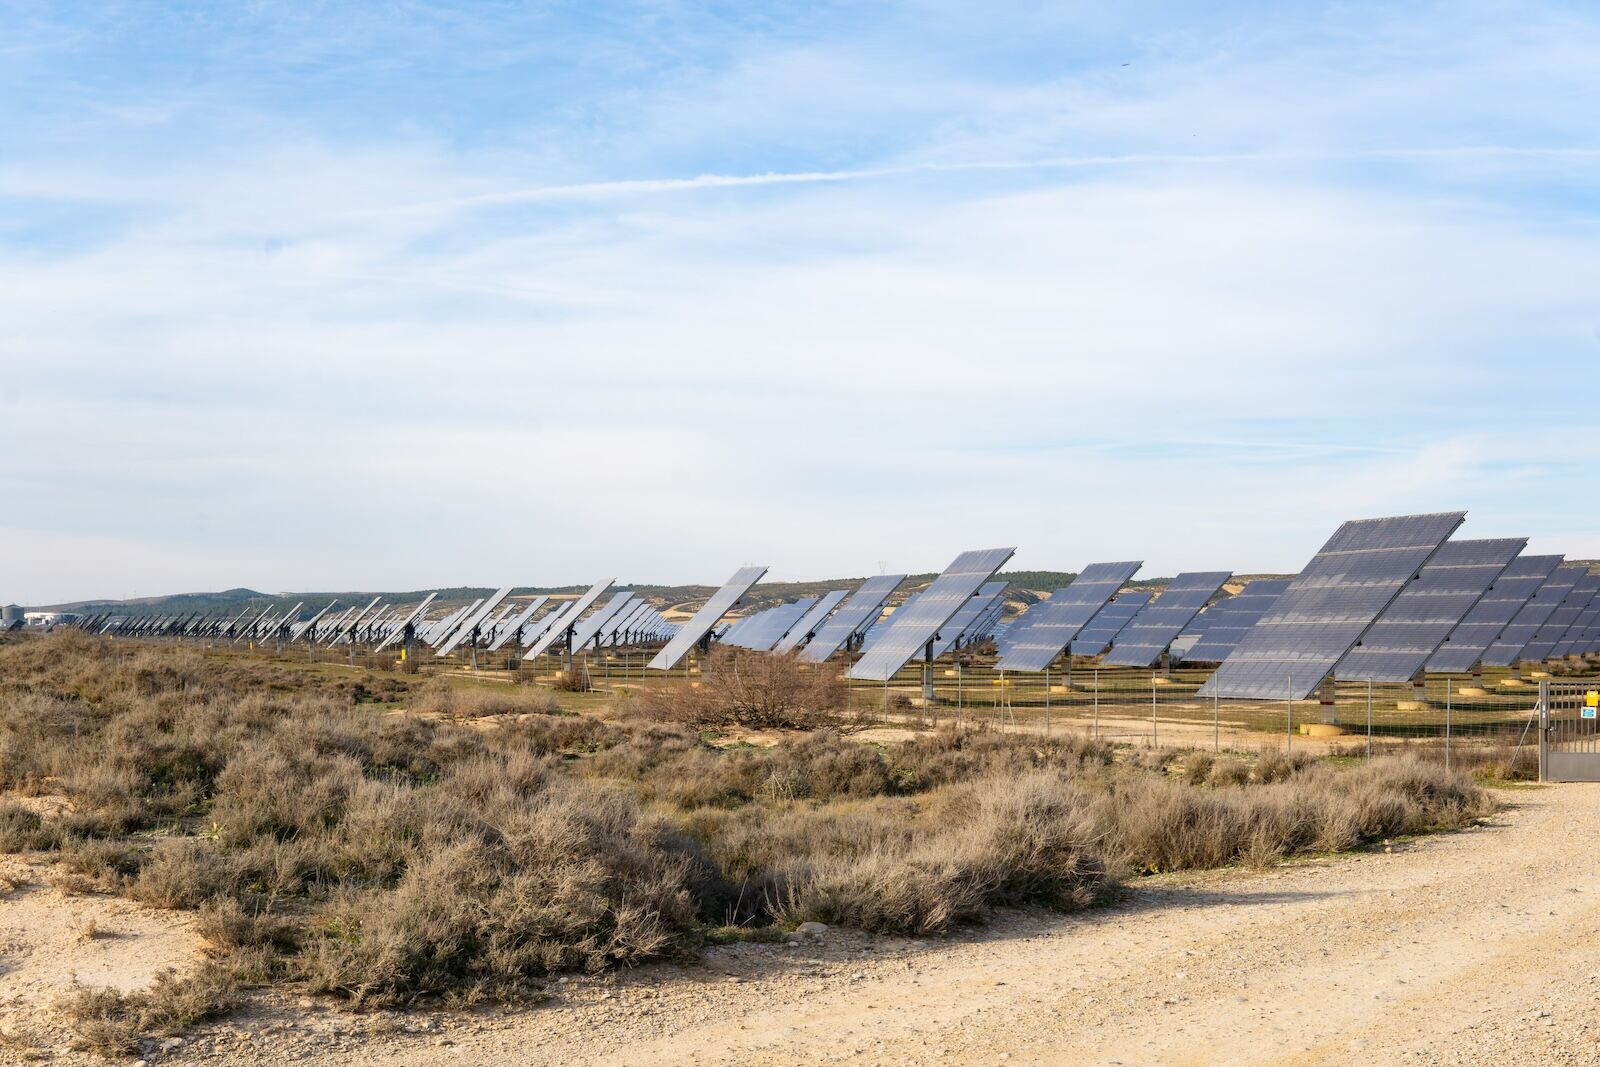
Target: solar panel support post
(927, 674)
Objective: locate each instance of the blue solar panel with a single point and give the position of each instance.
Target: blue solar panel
(1035, 639)
(1145, 640)
(915, 625)
(1099, 632)
(1328, 608)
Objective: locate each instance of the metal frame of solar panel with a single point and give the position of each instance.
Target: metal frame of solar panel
(1099, 632)
(1035, 639)
(812, 621)
(1463, 650)
(1330, 606)
(1146, 639)
(859, 609)
(1507, 648)
(557, 624)
(972, 612)
(699, 626)
(1561, 620)
(618, 623)
(1414, 627)
(916, 625)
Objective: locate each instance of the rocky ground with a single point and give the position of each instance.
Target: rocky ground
(1468, 948)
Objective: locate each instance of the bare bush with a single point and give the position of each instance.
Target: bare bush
(752, 689)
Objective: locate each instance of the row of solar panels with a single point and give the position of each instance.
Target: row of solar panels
(1384, 600)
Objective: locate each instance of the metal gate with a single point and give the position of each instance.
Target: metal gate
(1569, 734)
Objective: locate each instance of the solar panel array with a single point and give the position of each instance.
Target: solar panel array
(812, 621)
(1507, 648)
(1492, 614)
(1146, 638)
(1583, 635)
(1327, 609)
(858, 612)
(766, 629)
(1564, 618)
(1428, 610)
(917, 623)
(1098, 633)
(707, 617)
(970, 615)
(557, 623)
(511, 629)
(468, 627)
(585, 630)
(1035, 639)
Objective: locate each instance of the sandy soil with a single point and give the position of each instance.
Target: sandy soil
(1468, 948)
(49, 939)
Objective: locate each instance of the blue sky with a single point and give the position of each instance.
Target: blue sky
(387, 295)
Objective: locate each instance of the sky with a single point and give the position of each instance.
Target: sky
(391, 295)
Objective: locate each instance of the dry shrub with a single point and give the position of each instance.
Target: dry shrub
(573, 681)
(112, 1023)
(386, 857)
(759, 690)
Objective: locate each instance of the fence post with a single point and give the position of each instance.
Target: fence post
(1544, 727)
(1369, 718)
(1216, 722)
(1288, 716)
(1047, 701)
(1155, 739)
(1447, 691)
(1096, 731)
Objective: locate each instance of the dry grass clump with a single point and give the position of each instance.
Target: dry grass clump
(385, 856)
(760, 690)
(112, 1023)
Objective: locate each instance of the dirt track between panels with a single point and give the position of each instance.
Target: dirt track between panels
(1469, 948)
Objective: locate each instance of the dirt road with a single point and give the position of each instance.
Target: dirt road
(1469, 948)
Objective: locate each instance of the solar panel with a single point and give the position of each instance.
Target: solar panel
(515, 626)
(1416, 625)
(1037, 638)
(968, 618)
(1507, 649)
(469, 625)
(589, 628)
(410, 620)
(1146, 639)
(555, 625)
(768, 627)
(1491, 615)
(1098, 633)
(708, 616)
(1578, 634)
(918, 623)
(442, 629)
(1330, 606)
(304, 627)
(350, 626)
(637, 608)
(1555, 629)
(857, 612)
(811, 622)
(874, 632)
